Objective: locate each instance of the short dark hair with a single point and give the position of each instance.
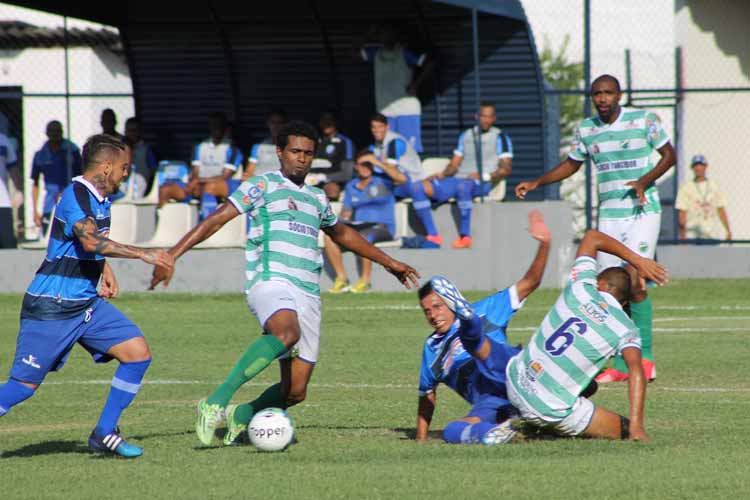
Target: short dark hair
(618, 283)
(425, 290)
(109, 111)
(133, 119)
(100, 147)
(278, 112)
(361, 153)
(606, 78)
(487, 104)
(296, 128)
(379, 117)
(53, 122)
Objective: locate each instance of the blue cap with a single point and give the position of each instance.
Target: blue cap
(698, 160)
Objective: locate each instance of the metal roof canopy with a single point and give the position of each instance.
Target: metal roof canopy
(246, 58)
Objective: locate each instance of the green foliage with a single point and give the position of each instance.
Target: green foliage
(354, 430)
(563, 74)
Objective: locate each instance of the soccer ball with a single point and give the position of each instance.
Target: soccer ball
(271, 430)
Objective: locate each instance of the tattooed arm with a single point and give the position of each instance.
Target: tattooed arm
(87, 233)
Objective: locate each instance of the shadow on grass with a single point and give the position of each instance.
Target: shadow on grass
(141, 437)
(410, 433)
(47, 448)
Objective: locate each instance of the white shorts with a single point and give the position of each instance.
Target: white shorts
(639, 233)
(572, 425)
(267, 297)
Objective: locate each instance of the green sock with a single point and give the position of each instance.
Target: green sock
(642, 314)
(270, 398)
(258, 356)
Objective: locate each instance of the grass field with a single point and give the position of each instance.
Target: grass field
(355, 429)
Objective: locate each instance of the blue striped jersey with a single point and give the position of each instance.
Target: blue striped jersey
(65, 284)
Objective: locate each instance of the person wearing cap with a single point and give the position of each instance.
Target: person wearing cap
(368, 207)
(702, 206)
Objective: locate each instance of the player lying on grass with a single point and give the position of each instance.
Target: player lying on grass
(468, 350)
(283, 279)
(585, 327)
(61, 306)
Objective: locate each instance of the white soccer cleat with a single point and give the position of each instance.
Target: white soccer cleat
(452, 297)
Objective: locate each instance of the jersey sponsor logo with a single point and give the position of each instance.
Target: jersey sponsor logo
(631, 124)
(296, 227)
(291, 204)
(653, 128)
(31, 361)
(596, 312)
(253, 193)
(643, 247)
(329, 211)
(534, 371)
(616, 165)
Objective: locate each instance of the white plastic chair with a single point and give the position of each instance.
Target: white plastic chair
(175, 219)
(232, 235)
(401, 215)
(432, 166)
(124, 226)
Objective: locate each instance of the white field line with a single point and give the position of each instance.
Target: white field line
(651, 387)
(415, 307)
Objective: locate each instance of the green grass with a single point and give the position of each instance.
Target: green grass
(355, 427)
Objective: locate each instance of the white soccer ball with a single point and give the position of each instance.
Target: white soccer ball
(271, 430)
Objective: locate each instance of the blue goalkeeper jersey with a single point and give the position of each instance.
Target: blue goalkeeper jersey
(444, 359)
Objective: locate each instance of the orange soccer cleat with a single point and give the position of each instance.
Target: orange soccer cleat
(462, 242)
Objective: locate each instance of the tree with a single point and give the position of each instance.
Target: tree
(564, 75)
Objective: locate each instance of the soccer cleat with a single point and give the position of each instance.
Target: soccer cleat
(341, 285)
(361, 287)
(114, 444)
(611, 375)
(500, 434)
(452, 297)
(462, 242)
(209, 417)
(435, 238)
(234, 430)
(649, 369)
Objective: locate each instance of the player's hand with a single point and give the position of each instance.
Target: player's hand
(369, 157)
(537, 228)
(524, 188)
(474, 176)
(109, 286)
(640, 191)
(435, 177)
(651, 270)
(638, 434)
(37, 219)
(404, 273)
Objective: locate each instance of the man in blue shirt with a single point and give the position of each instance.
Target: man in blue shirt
(336, 152)
(468, 350)
(368, 207)
(58, 161)
(61, 306)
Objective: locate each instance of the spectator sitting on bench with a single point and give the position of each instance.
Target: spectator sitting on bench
(460, 179)
(215, 160)
(263, 156)
(336, 149)
(368, 207)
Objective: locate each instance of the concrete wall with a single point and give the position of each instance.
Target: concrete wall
(502, 252)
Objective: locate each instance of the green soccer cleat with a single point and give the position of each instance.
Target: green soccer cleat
(235, 431)
(209, 417)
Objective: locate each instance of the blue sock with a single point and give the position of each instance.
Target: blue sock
(423, 207)
(470, 333)
(11, 393)
(125, 385)
(466, 433)
(208, 205)
(465, 204)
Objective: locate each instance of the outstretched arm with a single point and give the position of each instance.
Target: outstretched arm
(636, 392)
(563, 170)
(595, 241)
(88, 235)
(350, 239)
(199, 233)
(424, 415)
(533, 277)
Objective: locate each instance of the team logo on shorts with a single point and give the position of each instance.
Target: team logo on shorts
(643, 247)
(31, 361)
(291, 204)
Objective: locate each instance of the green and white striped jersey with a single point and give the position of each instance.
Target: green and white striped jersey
(621, 153)
(282, 244)
(583, 329)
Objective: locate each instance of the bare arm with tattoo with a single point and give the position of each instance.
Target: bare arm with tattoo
(87, 233)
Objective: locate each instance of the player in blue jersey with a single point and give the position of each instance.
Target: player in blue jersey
(468, 350)
(61, 307)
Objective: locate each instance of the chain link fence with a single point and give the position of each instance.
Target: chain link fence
(688, 64)
(55, 68)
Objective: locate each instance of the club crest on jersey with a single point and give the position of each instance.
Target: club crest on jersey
(330, 148)
(625, 144)
(597, 312)
(291, 204)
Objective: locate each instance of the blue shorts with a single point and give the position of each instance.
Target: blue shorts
(448, 187)
(492, 404)
(491, 409)
(403, 190)
(44, 345)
